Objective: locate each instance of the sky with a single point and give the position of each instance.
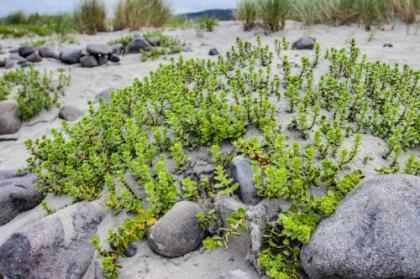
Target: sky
(56, 6)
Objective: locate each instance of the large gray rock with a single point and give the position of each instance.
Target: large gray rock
(89, 61)
(70, 56)
(17, 195)
(99, 49)
(374, 233)
(304, 43)
(70, 113)
(46, 52)
(56, 247)
(242, 173)
(138, 44)
(178, 232)
(10, 122)
(34, 57)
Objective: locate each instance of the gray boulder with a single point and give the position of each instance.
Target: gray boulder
(178, 232)
(9, 63)
(70, 56)
(26, 51)
(138, 44)
(374, 233)
(304, 43)
(56, 247)
(89, 61)
(69, 113)
(237, 274)
(99, 49)
(213, 52)
(242, 173)
(17, 195)
(34, 57)
(46, 52)
(10, 122)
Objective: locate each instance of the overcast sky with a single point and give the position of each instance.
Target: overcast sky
(54, 6)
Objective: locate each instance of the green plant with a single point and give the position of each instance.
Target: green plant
(134, 14)
(223, 184)
(189, 188)
(247, 12)
(177, 153)
(273, 13)
(236, 224)
(207, 23)
(91, 16)
(34, 91)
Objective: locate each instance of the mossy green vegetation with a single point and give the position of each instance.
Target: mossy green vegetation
(190, 104)
(33, 90)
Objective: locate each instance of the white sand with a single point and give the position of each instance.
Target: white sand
(87, 83)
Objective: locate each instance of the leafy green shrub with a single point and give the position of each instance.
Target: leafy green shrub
(34, 91)
(91, 16)
(200, 104)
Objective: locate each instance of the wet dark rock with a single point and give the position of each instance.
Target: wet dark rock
(374, 233)
(114, 58)
(10, 122)
(213, 52)
(304, 43)
(89, 61)
(131, 251)
(26, 51)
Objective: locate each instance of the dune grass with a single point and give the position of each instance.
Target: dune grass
(91, 16)
(273, 13)
(247, 12)
(134, 14)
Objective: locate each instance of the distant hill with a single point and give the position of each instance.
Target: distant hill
(217, 13)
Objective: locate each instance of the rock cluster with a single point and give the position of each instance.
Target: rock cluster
(93, 56)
